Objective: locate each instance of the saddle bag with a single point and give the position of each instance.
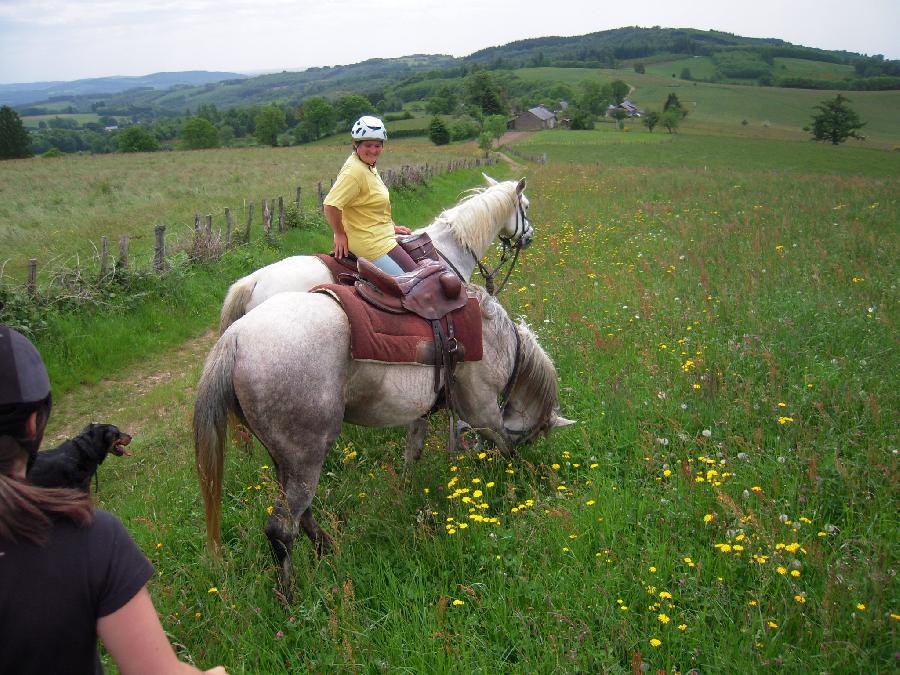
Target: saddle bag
(418, 246)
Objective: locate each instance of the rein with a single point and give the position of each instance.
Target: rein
(521, 222)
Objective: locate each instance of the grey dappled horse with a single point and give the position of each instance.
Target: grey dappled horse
(285, 371)
(461, 234)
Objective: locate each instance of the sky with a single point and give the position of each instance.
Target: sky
(49, 40)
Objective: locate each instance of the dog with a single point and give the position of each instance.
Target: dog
(74, 463)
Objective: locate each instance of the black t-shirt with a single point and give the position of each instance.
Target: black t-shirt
(52, 596)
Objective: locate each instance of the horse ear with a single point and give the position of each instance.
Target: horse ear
(557, 421)
(520, 187)
(489, 180)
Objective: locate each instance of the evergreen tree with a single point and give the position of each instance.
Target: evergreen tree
(438, 132)
(835, 121)
(15, 141)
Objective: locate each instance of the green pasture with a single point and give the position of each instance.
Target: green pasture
(56, 210)
(722, 317)
(818, 70)
(770, 112)
(611, 148)
(701, 67)
(33, 121)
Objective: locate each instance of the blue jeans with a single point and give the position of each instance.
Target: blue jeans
(387, 264)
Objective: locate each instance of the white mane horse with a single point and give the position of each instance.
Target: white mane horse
(286, 372)
(461, 235)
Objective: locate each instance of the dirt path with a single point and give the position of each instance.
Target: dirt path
(115, 400)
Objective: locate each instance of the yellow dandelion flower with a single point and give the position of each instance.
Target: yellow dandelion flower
(708, 517)
(652, 569)
(213, 590)
(781, 570)
(800, 599)
(198, 615)
(655, 643)
(457, 602)
(159, 546)
(861, 607)
(682, 627)
(665, 595)
(663, 619)
(795, 573)
(772, 625)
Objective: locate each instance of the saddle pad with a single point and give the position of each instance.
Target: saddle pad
(376, 335)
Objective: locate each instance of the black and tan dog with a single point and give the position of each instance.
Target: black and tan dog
(74, 463)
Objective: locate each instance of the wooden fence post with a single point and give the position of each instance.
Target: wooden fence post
(281, 214)
(104, 257)
(321, 197)
(31, 284)
(123, 251)
(297, 199)
(249, 220)
(227, 227)
(267, 218)
(159, 256)
(209, 226)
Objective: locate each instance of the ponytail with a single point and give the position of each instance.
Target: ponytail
(27, 511)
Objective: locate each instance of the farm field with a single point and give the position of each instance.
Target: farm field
(58, 209)
(769, 112)
(722, 314)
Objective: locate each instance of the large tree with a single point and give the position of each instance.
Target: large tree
(15, 141)
(438, 132)
(269, 123)
(484, 93)
(835, 121)
(350, 108)
(199, 132)
(136, 139)
(318, 118)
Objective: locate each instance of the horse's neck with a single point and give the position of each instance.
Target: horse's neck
(459, 256)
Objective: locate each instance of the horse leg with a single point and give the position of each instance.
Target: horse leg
(415, 439)
(299, 480)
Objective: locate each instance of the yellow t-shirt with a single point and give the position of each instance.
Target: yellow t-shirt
(365, 207)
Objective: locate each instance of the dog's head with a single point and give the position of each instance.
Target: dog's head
(107, 438)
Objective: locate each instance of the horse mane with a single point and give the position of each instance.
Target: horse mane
(536, 381)
(482, 205)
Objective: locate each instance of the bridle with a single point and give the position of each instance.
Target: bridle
(511, 244)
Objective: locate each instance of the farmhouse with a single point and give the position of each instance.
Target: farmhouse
(534, 118)
(626, 106)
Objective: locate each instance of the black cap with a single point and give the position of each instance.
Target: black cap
(23, 376)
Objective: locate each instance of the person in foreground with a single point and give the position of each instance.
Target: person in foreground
(68, 573)
(358, 206)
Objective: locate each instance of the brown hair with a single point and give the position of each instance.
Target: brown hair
(27, 511)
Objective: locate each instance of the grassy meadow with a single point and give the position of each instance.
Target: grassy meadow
(56, 210)
(722, 312)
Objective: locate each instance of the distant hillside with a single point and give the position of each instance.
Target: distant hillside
(685, 53)
(32, 92)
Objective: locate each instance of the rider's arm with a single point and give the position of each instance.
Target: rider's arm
(334, 216)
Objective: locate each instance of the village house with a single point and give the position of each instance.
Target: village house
(534, 118)
(626, 106)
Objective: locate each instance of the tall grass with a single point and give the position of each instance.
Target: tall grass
(727, 501)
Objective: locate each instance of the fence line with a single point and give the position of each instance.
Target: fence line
(405, 177)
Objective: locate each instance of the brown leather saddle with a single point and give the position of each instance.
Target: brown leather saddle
(432, 292)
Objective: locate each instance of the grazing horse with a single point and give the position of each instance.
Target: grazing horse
(285, 371)
(461, 235)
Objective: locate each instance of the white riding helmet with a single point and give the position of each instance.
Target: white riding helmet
(368, 128)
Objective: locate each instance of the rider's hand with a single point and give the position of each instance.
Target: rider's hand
(400, 229)
(341, 248)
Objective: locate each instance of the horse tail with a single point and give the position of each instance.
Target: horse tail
(215, 399)
(235, 305)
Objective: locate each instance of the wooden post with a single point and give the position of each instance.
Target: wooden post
(297, 198)
(227, 227)
(321, 196)
(209, 226)
(281, 214)
(159, 256)
(104, 259)
(267, 218)
(123, 251)
(31, 285)
(249, 220)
